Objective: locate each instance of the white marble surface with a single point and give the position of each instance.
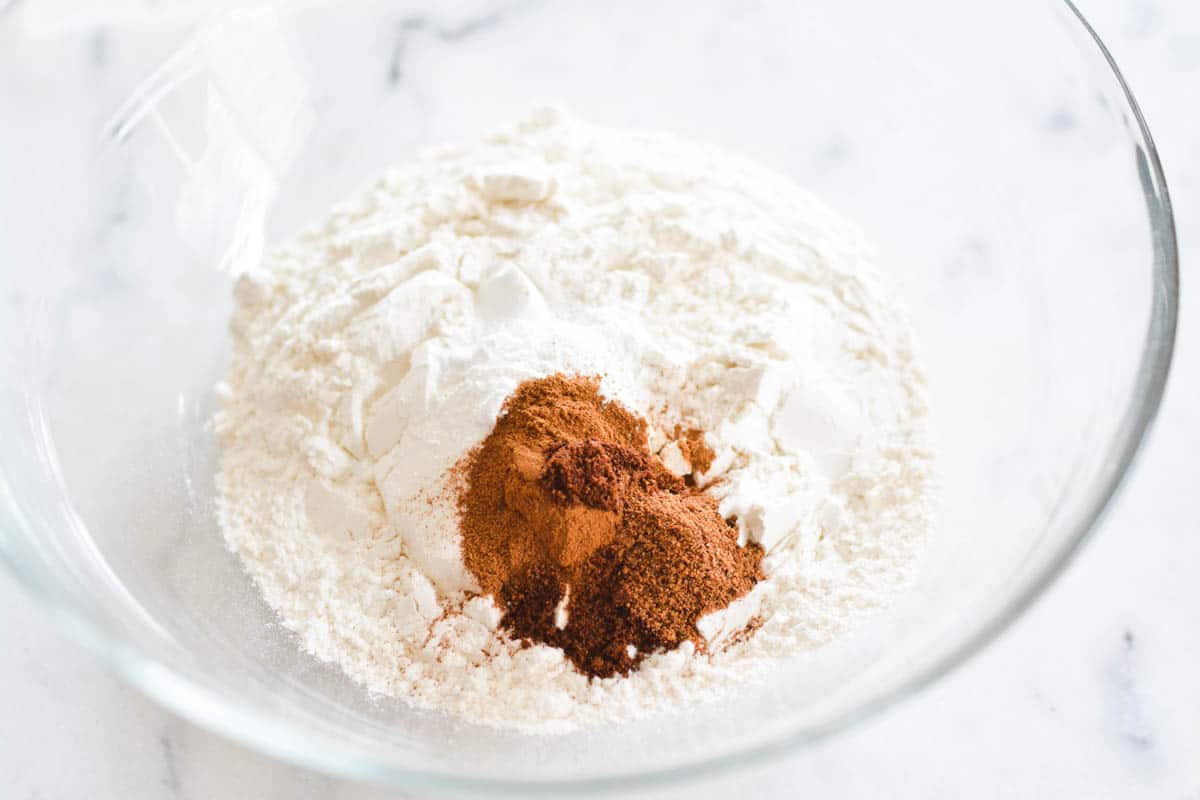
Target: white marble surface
(1093, 693)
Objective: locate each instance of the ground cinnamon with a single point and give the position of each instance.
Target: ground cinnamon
(566, 513)
(695, 449)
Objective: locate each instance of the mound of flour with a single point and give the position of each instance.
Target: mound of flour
(375, 350)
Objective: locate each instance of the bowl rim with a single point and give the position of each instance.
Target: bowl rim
(261, 732)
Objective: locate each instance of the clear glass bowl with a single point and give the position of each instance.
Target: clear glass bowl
(991, 149)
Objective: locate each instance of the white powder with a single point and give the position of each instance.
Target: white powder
(376, 349)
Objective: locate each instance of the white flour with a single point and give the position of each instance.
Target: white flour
(375, 350)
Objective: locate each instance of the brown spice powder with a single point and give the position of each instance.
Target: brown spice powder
(564, 499)
(695, 449)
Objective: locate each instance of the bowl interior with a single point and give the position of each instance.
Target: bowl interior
(961, 136)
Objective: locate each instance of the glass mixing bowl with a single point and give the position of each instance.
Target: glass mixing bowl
(992, 150)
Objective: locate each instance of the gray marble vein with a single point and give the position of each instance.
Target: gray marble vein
(445, 32)
(1126, 706)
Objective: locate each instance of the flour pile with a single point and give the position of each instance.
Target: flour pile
(374, 351)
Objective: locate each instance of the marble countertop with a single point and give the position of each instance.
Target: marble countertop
(1093, 693)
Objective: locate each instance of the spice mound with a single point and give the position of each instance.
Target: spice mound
(585, 538)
